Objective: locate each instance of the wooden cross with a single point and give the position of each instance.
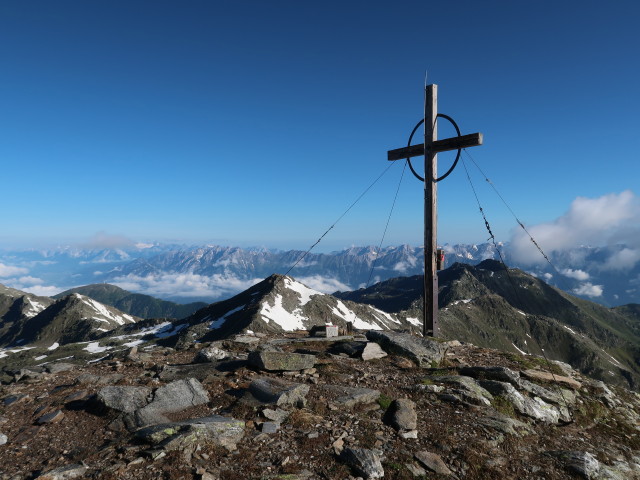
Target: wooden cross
(430, 149)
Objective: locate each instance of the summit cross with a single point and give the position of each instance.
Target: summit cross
(430, 149)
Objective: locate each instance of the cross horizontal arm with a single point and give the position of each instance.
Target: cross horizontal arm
(453, 143)
(406, 152)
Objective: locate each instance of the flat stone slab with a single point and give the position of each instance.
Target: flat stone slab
(549, 377)
(502, 374)
(275, 391)
(59, 367)
(219, 430)
(123, 399)
(351, 396)
(53, 417)
(64, 473)
(200, 371)
(433, 462)
(466, 386)
(278, 415)
(15, 399)
(339, 338)
(178, 395)
(281, 361)
(270, 427)
(422, 351)
(246, 339)
(99, 379)
(505, 424)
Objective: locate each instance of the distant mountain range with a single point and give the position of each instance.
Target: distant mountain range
(480, 304)
(209, 273)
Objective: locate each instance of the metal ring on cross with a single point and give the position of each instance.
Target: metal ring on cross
(455, 162)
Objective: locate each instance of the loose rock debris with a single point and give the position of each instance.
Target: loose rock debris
(310, 410)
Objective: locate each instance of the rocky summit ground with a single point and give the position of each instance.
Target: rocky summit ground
(373, 405)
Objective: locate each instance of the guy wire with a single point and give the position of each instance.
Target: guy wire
(511, 281)
(340, 217)
(387, 225)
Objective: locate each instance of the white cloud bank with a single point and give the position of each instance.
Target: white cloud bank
(9, 271)
(171, 285)
(607, 220)
(577, 274)
(589, 290)
(324, 284)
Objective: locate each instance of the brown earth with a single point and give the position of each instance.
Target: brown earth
(306, 444)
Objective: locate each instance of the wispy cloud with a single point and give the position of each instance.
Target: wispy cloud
(10, 271)
(622, 260)
(42, 290)
(106, 240)
(27, 283)
(324, 284)
(607, 220)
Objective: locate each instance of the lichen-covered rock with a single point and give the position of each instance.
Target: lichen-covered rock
(58, 367)
(351, 396)
(505, 424)
(203, 372)
(178, 395)
(502, 374)
(122, 398)
(281, 361)
(531, 407)
(223, 431)
(422, 351)
(466, 386)
(559, 396)
(172, 397)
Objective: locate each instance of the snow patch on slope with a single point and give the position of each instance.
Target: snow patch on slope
(347, 315)
(220, 321)
(279, 315)
(33, 308)
(102, 310)
(305, 292)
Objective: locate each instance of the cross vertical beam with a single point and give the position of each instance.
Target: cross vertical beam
(430, 149)
(430, 325)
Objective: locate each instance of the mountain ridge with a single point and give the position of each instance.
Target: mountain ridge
(513, 311)
(139, 305)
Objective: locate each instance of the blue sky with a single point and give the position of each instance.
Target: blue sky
(257, 123)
